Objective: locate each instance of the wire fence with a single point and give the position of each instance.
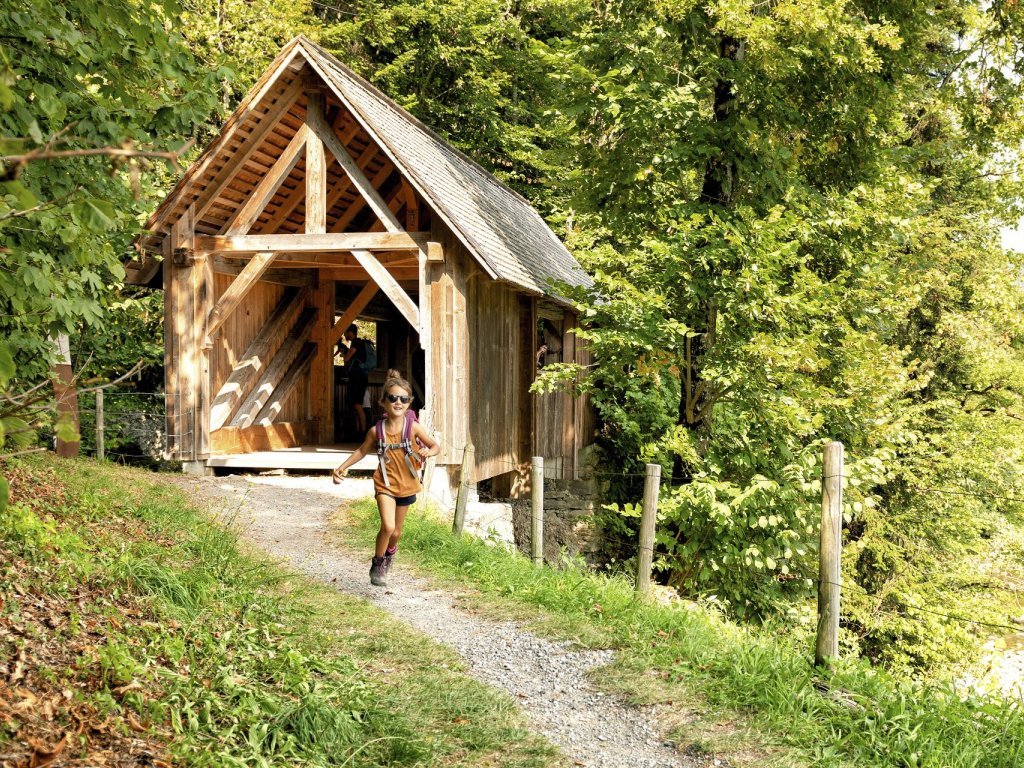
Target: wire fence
(135, 428)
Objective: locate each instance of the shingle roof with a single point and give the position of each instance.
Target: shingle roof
(499, 227)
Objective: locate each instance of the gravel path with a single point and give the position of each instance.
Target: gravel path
(287, 516)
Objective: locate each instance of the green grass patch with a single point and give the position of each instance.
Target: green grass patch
(132, 617)
(751, 678)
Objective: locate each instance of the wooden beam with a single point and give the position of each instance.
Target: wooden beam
(412, 207)
(316, 168)
(172, 406)
(297, 277)
(359, 203)
(298, 194)
(247, 106)
(312, 243)
(380, 275)
(298, 260)
(243, 377)
(406, 276)
(352, 311)
(245, 216)
(330, 139)
(298, 368)
(274, 373)
(206, 292)
(237, 291)
(435, 252)
(248, 146)
(185, 332)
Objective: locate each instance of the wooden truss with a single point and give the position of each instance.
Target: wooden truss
(251, 244)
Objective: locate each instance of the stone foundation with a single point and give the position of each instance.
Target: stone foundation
(569, 527)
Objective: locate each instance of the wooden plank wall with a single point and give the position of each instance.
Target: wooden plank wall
(564, 424)
(586, 414)
(483, 357)
(496, 406)
(241, 328)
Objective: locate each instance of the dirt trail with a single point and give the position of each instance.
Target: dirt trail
(287, 517)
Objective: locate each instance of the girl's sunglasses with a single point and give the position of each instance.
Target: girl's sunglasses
(398, 398)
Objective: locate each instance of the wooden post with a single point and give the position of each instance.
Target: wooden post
(829, 552)
(99, 425)
(537, 508)
(431, 463)
(647, 520)
(460, 501)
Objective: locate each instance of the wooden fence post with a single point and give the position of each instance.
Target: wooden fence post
(99, 425)
(463, 497)
(647, 520)
(537, 509)
(829, 553)
(429, 466)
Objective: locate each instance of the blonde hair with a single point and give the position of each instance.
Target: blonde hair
(394, 379)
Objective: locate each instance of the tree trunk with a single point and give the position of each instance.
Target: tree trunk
(66, 395)
(717, 190)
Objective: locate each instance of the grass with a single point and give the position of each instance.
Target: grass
(132, 626)
(748, 692)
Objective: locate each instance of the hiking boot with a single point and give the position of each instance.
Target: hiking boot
(378, 572)
(389, 558)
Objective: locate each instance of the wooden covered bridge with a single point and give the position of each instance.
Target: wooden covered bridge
(321, 203)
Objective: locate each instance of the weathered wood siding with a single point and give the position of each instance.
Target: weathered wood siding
(241, 328)
(495, 362)
(483, 346)
(564, 424)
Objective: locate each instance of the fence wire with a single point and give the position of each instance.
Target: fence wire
(130, 427)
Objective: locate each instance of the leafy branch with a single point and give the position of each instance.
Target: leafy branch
(126, 150)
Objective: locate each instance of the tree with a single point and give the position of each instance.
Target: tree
(762, 187)
(87, 92)
(475, 71)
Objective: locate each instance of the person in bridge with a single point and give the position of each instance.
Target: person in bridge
(358, 376)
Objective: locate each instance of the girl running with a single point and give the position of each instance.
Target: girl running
(396, 482)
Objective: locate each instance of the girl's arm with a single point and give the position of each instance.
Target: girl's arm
(430, 446)
(369, 444)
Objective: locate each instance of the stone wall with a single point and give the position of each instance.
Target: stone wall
(569, 524)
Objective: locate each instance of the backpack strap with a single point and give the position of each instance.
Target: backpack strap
(382, 447)
(410, 419)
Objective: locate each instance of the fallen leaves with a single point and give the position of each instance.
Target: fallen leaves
(52, 620)
(43, 755)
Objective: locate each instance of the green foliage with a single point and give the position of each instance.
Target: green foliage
(247, 33)
(223, 659)
(473, 70)
(78, 78)
(851, 715)
(81, 76)
(791, 213)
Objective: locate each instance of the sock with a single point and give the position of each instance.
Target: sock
(391, 550)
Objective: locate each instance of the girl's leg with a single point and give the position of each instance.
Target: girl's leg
(399, 519)
(386, 507)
